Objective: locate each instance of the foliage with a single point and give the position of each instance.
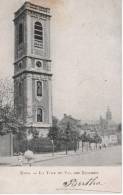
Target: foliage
(54, 131)
(8, 119)
(64, 132)
(19, 145)
(84, 137)
(91, 139)
(119, 128)
(37, 145)
(35, 134)
(6, 92)
(97, 138)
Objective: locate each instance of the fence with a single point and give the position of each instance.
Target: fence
(6, 145)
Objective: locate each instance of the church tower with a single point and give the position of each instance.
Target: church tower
(32, 68)
(108, 115)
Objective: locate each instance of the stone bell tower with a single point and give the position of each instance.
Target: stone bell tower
(32, 68)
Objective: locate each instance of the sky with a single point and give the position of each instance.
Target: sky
(85, 53)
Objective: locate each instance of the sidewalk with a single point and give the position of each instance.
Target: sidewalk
(50, 156)
(13, 160)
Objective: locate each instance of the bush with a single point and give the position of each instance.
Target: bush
(61, 145)
(41, 145)
(19, 145)
(37, 145)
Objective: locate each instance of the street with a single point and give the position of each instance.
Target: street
(105, 157)
(109, 156)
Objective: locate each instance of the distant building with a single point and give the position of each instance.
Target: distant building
(108, 129)
(109, 139)
(105, 127)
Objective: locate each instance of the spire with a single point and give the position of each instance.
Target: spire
(108, 114)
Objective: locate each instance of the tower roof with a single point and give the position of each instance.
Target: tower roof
(32, 7)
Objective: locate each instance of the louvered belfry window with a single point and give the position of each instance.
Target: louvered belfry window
(21, 33)
(38, 34)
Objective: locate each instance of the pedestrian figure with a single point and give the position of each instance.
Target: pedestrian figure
(105, 146)
(100, 146)
(20, 159)
(75, 146)
(29, 156)
(90, 146)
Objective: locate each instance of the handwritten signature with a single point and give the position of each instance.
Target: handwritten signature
(93, 181)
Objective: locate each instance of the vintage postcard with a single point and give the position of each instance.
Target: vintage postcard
(60, 96)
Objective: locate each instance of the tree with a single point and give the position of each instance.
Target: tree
(67, 136)
(8, 118)
(119, 128)
(71, 129)
(54, 130)
(54, 133)
(6, 92)
(84, 139)
(8, 121)
(97, 139)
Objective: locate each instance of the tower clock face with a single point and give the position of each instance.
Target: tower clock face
(38, 64)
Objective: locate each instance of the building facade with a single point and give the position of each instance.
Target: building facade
(32, 68)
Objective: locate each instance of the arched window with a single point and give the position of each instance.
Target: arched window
(38, 34)
(39, 88)
(21, 33)
(39, 115)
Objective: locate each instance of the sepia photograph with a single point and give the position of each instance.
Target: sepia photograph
(60, 86)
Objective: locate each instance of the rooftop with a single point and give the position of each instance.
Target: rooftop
(32, 7)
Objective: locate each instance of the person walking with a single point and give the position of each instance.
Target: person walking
(20, 159)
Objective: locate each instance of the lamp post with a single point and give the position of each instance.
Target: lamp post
(28, 154)
(67, 132)
(52, 147)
